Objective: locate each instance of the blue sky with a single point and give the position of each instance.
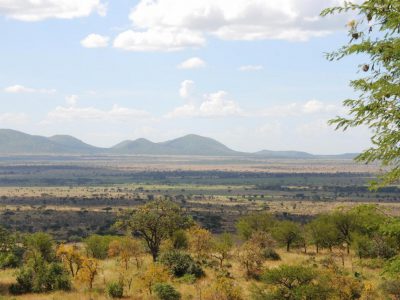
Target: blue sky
(250, 73)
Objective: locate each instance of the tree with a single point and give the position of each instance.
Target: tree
(70, 256)
(155, 273)
(222, 246)
(200, 241)
(39, 245)
(287, 232)
(294, 283)
(345, 223)
(255, 222)
(375, 36)
(126, 248)
(97, 246)
(324, 233)
(155, 222)
(88, 271)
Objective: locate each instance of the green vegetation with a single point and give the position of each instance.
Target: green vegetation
(346, 250)
(375, 36)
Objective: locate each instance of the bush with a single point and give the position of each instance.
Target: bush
(97, 246)
(180, 240)
(39, 277)
(164, 291)
(181, 264)
(115, 290)
(10, 260)
(271, 254)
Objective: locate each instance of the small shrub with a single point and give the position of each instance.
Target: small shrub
(181, 264)
(115, 290)
(164, 291)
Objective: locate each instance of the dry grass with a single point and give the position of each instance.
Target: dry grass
(110, 272)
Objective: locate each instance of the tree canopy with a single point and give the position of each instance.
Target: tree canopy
(375, 34)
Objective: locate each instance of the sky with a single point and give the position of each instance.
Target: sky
(250, 73)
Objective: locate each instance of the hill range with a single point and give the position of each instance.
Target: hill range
(14, 142)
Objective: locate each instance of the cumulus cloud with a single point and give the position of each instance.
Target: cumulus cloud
(192, 63)
(34, 10)
(20, 89)
(74, 112)
(216, 104)
(164, 25)
(186, 89)
(158, 39)
(72, 100)
(250, 68)
(95, 41)
(296, 109)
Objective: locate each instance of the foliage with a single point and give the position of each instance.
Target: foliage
(115, 289)
(180, 240)
(200, 242)
(391, 288)
(97, 246)
(294, 283)
(375, 36)
(155, 273)
(88, 271)
(247, 225)
(39, 276)
(181, 264)
(165, 291)
(126, 249)
(39, 245)
(70, 257)
(324, 233)
(224, 288)
(222, 246)
(10, 250)
(287, 233)
(154, 223)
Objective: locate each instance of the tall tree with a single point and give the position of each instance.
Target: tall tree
(375, 35)
(154, 223)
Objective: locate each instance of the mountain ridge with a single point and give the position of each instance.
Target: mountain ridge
(13, 142)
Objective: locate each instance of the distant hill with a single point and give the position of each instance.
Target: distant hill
(13, 142)
(71, 142)
(187, 145)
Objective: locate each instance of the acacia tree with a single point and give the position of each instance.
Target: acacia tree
(376, 35)
(155, 222)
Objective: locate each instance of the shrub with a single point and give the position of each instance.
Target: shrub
(115, 290)
(39, 277)
(271, 254)
(180, 240)
(181, 264)
(165, 291)
(97, 246)
(10, 260)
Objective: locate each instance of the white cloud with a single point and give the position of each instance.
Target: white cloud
(192, 63)
(19, 89)
(186, 89)
(73, 113)
(215, 104)
(296, 109)
(37, 10)
(13, 118)
(95, 41)
(218, 104)
(72, 100)
(158, 39)
(165, 25)
(250, 68)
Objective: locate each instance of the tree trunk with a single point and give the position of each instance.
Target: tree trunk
(287, 247)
